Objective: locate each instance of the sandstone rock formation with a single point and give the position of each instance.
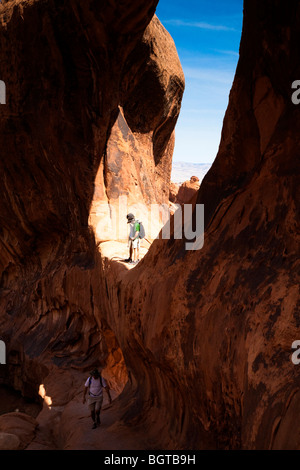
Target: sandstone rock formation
(173, 191)
(9, 441)
(17, 430)
(185, 192)
(206, 336)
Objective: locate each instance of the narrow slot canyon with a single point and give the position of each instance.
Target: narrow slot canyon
(12, 401)
(195, 345)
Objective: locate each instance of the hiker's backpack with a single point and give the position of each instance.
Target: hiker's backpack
(90, 381)
(142, 230)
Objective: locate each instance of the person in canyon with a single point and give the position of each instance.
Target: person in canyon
(95, 384)
(133, 240)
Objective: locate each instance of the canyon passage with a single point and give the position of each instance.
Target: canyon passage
(195, 345)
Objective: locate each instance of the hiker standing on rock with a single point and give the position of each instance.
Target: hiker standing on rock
(95, 384)
(134, 240)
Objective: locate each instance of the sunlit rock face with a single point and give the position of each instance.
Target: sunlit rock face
(63, 66)
(77, 110)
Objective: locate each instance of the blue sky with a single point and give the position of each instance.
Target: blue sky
(207, 36)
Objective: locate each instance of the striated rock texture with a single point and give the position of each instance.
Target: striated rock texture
(173, 191)
(17, 430)
(206, 336)
(184, 193)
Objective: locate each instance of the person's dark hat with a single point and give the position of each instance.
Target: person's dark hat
(95, 373)
(130, 218)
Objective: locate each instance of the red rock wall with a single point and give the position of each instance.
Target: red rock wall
(63, 68)
(184, 193)
(215, 327)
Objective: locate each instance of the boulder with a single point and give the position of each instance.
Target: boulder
(78, 129)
